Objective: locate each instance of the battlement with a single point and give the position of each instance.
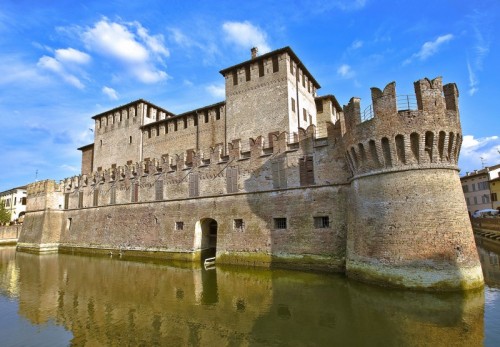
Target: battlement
(401, 132)
(177, 173)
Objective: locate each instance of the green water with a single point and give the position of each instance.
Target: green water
(61, 300)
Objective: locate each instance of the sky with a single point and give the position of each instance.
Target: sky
(62, 62)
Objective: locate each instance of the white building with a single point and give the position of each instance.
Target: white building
(476, 187)
(15, 202)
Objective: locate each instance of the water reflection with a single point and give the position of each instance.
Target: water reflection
(105, 301)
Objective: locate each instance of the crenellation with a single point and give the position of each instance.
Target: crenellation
(311, 185)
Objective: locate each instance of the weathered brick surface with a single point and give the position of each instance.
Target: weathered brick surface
(387, 187)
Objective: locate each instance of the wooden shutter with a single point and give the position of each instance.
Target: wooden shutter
(66, 201)
(193, 185)
(96, 197)
(159, 190)
(279, 174)
(232, 179)
(80, 200)
(112, 195)
(306, 169)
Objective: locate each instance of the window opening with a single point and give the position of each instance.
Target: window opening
(280, 223)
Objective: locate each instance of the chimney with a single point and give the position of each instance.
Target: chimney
(255, 52)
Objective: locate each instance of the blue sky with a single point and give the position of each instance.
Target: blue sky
(61, 62)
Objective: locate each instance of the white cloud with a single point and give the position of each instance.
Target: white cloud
(246, 35)
(70, 168)
(53, 65)
(180, 38)
(473, 82)
(473, 149)
(135, 50)
(154, 43)
(216, 90)
(114, 40)
(429, 48)
(345, 71)
(357, 44)
(110, 92)
(72, 55)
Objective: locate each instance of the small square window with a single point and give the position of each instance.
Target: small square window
(179, 225)
(279, 223)
(238, 225)
(321, 222)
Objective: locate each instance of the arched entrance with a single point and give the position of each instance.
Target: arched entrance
(206, 237)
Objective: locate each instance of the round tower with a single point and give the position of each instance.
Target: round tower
(408, 224)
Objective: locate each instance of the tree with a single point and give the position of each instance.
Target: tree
(4, 213)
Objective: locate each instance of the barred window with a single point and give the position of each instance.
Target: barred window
(321, 222)
(279, 223)
(194, 185)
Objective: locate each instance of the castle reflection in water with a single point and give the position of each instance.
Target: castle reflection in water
(109, 301)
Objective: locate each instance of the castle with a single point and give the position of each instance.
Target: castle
(273, 176)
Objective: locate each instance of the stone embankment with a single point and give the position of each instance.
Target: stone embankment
(9, 234)
(487, 227)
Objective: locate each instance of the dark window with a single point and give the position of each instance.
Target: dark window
(112, 195)
(276, 65)
(303, 80)
(475, 200)
(238, 225)
(291, 66)
(467, 200)
(179, 225)
(175, 125)
(247, 72)
(185, 122)
(130, 139)
(279, 223)
(319, 106)
(261, 68)
(195, 119)
(159, 190)
(465, 188)
(473, 187)
(293, 105)
(232, 179)
(23, 201)
(149, 133)
(235, 77)
(80, 199)
(66, 201)
(493, 197)
(279, 174)
(306, 168)
(304, 113)
(217, 113)
(322, 222)
(193, 185)
(206, 116)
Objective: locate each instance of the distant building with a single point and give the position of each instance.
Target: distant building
(476, 187)
(495, 192)
(15, 202)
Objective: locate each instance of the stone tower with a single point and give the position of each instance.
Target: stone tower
(407, 223)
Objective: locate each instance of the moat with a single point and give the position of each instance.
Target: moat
(60, 300)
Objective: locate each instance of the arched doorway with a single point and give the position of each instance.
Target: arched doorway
(206, 237)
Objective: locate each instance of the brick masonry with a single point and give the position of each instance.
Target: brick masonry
(378, 199)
